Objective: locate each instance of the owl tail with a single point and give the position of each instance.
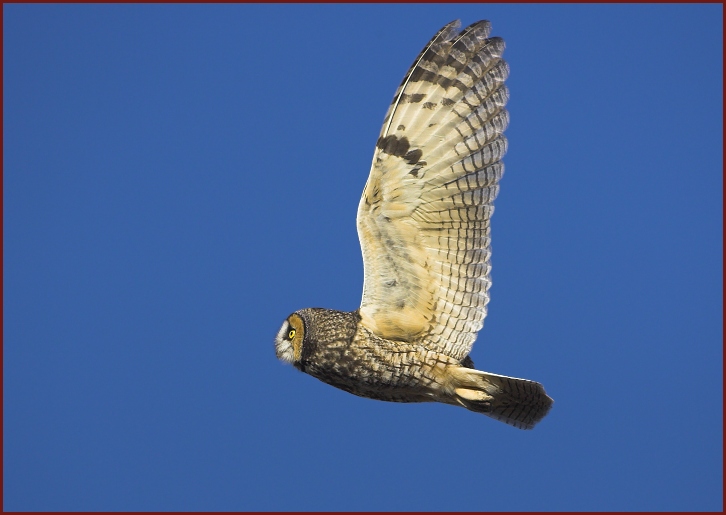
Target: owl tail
(518, 402)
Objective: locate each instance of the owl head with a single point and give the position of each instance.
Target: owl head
(289, 339)
(313, 334)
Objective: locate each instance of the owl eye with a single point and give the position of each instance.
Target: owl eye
(291, 334)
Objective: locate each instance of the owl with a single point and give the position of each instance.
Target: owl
(424, 228)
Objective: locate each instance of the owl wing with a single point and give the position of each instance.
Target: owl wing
(423, 218)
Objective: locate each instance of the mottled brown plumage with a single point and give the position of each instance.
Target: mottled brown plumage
(423, 223)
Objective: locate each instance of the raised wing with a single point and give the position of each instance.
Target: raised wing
(423, 219)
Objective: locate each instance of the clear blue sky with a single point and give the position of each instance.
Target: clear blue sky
(179, 178)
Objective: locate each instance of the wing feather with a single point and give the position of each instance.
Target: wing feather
(423, 218)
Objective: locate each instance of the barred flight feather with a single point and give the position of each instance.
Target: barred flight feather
(423, 219)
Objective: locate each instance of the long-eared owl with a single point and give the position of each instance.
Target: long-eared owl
(424, 229)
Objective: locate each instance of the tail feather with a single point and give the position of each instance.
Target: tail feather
(518, 402)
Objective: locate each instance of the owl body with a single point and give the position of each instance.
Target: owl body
(341, 352)
(424, 227)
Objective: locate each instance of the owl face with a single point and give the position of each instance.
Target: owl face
(289, 339)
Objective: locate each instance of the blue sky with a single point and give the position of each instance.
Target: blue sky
(179, 178)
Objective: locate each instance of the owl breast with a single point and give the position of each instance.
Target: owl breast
(377, 368)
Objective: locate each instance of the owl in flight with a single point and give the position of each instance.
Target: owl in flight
(423, 224)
